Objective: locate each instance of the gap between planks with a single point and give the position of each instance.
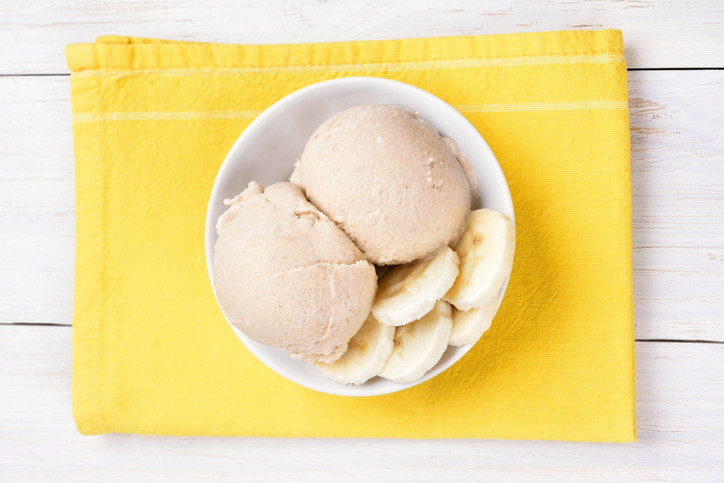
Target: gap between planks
(630, 69)
(676, 341)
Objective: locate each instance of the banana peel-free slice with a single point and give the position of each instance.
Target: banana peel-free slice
(408, 292)
(419, 345)
(486, 250)
(470, 326)
(366, 355)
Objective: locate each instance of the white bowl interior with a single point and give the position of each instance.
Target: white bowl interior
(267, 150)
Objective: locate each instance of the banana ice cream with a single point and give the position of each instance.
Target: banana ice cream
(287, 276)
(295, 272)
(388, 180)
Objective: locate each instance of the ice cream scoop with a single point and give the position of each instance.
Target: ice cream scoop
(287, 276)
(388, 179)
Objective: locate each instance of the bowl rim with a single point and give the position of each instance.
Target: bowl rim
(227, 165)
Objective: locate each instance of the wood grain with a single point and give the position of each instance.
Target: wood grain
(677, 129)
(678, 200)
(675, 33)
(677, 147)
(681, 433)
(37, 200)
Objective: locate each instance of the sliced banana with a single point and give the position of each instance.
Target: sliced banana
(470, 326)
(366, 354)
(407, 292)
(486, 258)
(419, 345)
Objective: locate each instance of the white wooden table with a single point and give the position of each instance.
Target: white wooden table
(675, 52)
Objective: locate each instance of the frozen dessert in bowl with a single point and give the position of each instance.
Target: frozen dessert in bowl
(388, 179)
(287, 276)
(375, 182)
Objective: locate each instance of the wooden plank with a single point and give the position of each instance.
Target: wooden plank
(676, 33)
(680, 421)
(678, 199)
(677, 143)
(37, 200)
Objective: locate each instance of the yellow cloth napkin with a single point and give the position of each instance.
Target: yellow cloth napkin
(153, 120)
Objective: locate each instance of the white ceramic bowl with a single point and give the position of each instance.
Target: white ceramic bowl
(267, 150)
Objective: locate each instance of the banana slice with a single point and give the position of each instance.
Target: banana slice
(408, 292)
(486, 257)
(366, 354)
(419, 345)
(470, 326)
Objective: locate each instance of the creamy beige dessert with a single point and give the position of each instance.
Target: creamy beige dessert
(389, 180)
(287, 276)
(381, 186)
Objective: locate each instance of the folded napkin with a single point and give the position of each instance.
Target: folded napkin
(152, 353)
